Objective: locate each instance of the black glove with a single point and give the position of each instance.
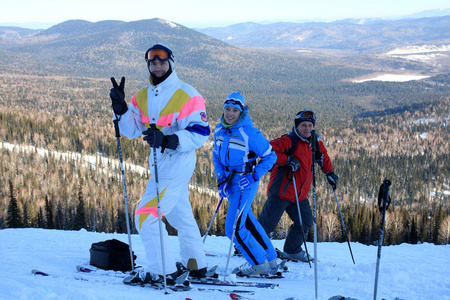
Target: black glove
(170, 141)
(155, 138)
(117, 95)
(332, 179)
(318, 157)
(294, 164)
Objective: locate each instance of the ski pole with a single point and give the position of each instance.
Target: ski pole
(383, 203)
(155, 161)
(238, 215)
(313, 167)
(116, 127)
(343, 225)
(300, 218)
(217, 209)
(212, 220)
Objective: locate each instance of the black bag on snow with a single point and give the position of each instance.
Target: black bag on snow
(111, 255)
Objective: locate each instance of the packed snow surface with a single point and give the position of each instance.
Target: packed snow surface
(406, 271)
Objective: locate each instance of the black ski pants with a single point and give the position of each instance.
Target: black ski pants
(273, 211)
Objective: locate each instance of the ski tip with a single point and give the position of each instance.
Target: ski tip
(236, 296)
(37, 272)
(83, 269)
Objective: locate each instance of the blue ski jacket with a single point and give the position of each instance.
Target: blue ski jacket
(238, 147)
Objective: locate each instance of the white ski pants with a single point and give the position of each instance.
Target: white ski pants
(175, 206)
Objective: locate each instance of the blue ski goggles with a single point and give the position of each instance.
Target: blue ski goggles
(306, 115)
(234, 103)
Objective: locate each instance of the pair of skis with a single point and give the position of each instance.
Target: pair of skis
(204, 282)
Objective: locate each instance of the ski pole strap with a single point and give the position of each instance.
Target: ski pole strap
(383, 196)
(116, 127)
(289, 178)
(313, 141)
(229, 178)
(248, 168)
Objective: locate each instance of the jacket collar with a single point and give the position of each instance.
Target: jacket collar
(243, 119)
(171, 80)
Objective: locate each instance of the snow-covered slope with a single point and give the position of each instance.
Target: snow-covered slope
(406, 271)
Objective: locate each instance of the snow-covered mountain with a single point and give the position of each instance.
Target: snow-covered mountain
(406, 271)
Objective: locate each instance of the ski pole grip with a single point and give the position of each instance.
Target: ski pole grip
(228, 179)
(383, 196)
(387, 184)
(231, 176)
(116, 128)
(313, 141)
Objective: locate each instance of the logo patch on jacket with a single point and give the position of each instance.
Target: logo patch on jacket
(203, 115)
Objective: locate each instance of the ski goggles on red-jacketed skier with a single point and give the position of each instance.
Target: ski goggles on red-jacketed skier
(306, 115)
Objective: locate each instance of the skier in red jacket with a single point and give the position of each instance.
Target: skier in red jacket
(294, 162)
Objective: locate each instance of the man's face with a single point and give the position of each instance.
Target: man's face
(159, 68)
(304, 128)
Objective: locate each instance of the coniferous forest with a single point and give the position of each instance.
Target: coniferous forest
(71, 191)
(59, 165)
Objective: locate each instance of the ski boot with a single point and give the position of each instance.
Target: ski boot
(174, 281)
(247, 270)
(203, 273)
(301, 256)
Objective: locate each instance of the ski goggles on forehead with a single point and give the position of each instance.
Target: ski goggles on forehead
(234, 102)
(306, 115)
(160, 54)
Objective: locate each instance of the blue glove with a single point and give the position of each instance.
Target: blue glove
(332, 179)
(224, 187)
(246, 180)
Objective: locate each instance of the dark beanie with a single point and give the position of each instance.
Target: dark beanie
(305, 115)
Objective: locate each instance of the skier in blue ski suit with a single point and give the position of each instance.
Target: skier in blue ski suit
(237, 146)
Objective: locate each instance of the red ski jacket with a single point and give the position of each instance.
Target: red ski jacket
(281, 182)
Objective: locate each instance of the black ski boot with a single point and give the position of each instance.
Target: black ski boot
(198, 274)
(174, 280)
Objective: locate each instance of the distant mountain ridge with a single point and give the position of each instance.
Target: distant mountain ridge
(99, 50)
(95, 49)
(429, 13)
(11, 32)
(359, 35)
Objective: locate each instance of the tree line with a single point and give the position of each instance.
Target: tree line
(409, 148)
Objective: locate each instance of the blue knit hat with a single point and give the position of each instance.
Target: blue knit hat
(235, 100)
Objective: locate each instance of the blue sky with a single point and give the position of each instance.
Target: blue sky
(206, 13)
